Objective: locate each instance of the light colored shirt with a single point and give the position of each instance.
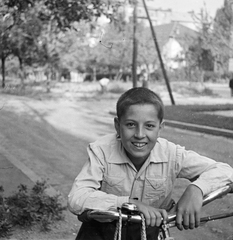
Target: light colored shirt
(109, 178)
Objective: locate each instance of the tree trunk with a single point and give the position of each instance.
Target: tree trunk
(3, 72)
(49, 75)
(135, 46)
(21, 72)
(202, 72)
(118, 76)
(94, 74)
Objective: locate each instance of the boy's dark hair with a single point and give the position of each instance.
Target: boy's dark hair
(139, 95)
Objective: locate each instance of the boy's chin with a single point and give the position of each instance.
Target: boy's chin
(138, 157)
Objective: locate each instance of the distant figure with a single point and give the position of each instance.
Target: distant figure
(144, 78)
(231, 86)
(103, 83)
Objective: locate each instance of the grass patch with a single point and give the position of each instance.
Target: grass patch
(191, 89)
(196, 114)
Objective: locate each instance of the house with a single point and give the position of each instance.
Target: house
(173, 40)
(175, 30)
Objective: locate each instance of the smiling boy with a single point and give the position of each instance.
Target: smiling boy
(135, 165)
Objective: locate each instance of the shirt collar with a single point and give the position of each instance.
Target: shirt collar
(158, 154)
(118, 155)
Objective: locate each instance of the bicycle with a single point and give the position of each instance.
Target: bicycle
(129, 213)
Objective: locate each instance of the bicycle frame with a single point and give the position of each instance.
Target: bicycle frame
(114, 215)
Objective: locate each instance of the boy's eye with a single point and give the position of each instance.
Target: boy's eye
(150, 125)
(130, 124)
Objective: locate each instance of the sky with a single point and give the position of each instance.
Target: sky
(189, 5)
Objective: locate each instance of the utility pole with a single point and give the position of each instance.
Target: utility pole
(159, 55)
(135, 46)
(230, 65)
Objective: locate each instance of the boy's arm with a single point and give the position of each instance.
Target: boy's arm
(85, 193)
(188, 208)
(203, 172)
(206, 176)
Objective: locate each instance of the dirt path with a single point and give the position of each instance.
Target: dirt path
(49, 138)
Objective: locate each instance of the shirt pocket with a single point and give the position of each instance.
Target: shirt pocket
(113, 185)
(154, 191)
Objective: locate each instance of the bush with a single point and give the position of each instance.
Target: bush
(29, 207)
(5, 226)
(227, 75)
(157, 75)
(211, 76)
(117, 87)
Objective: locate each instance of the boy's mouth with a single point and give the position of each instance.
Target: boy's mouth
(139, 145)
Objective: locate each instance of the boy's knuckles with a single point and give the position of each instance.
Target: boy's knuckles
(191, 225)
(186, 227)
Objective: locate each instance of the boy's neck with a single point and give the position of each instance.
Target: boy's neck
(139, 164)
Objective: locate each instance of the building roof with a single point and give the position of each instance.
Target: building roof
(181, 33)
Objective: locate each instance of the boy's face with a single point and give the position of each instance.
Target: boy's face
(139, 129)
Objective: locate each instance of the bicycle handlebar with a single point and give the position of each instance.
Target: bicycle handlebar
(114, 215)
(210, 197)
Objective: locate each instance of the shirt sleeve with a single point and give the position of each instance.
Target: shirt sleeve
(203, 172)
(85, 192)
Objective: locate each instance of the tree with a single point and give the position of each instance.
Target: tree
(201, 53)
(5, 50)
(6, 24)
(222, 31)
(26, 44)
(52, 17)
(102, 49)
(213, 47)
(19, 36)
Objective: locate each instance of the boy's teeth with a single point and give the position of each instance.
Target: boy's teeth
(139, 144)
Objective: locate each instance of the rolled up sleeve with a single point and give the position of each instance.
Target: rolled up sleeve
(203, 172)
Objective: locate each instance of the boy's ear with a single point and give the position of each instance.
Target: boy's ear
(117, 125)
(162, 125)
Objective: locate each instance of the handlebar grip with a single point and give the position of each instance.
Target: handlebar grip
(210, 197)
(84, 217)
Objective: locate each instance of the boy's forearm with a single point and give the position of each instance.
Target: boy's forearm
(194, 189)
(79, 202)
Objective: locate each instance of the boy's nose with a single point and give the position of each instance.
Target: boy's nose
(140, 133)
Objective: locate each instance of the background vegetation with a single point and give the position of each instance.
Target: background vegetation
(47, 40)
(29, 207)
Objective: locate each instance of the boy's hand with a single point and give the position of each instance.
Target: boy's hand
(188, 208)
(153, 216)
